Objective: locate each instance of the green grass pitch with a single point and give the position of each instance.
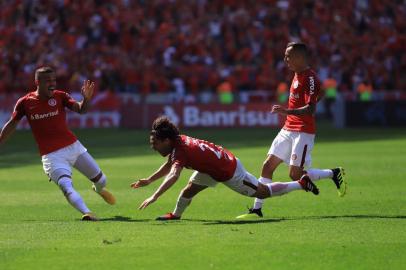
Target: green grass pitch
(364, 230)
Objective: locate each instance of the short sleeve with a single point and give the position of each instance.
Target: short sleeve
(312, 89)
(19, 110)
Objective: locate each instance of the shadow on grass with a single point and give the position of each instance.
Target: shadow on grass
(123, 219)
(236, 222)
(349, 216)
(115, 218)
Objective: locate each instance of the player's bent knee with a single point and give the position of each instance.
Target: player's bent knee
(191, 190)
(66, 186)
(58, 174)
(262, 192)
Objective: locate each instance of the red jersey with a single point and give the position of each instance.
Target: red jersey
(47, 119)
(204, 157)
(305, 89)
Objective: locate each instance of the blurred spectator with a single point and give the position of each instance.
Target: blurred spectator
(191, 46)
(225, 93)
(364, 91)
(282, 92)
(330, 95)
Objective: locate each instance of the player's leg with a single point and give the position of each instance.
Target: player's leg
(58, 168)
(278, 153)
(281, 188)
(62, 177)
(301, 158)
(197, 182)
(336, 175)
(88, 167)
(269, 166)
(259, 190)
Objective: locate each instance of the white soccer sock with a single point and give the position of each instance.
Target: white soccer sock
(72, 195)
(101, 183)
(280, 188)
(181, 205)
(318, 174)
(259, 202)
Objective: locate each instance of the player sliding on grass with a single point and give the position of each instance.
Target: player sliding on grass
(212, 164)
(294, 143)
(58, 146)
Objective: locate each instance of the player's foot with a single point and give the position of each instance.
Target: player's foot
(308, 185)
(252, 214)
(339, 181)
(168, 216)
(89, 217)
(106, 195)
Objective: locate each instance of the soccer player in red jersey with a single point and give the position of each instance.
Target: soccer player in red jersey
(211, 163)
(58, 146)
(294, 143)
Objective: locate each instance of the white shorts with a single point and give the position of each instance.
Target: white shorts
(242, 181)
(63, 158)
(294, 148)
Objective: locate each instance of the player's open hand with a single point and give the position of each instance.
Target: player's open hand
(278, 109)
(87, 89)
(140, 183)
(147, 202)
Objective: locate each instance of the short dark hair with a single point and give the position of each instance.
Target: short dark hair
(163, 128)
(43, 70)
(299, 47)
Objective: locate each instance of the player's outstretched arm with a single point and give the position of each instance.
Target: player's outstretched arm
(162, 171)
(307, 109)
(170, 179)
(8, 130)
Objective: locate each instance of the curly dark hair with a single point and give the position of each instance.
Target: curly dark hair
(163, 128)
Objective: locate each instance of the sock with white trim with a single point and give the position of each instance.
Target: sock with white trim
(101, 183)
(181, 206)
(280, 188)
(318, 174)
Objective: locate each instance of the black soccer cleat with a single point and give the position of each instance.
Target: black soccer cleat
(308, 185)
(252, 214)
(339, 181)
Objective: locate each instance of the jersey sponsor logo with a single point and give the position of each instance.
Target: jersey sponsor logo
(52, 102)
(195, 116)
(296, 84)
(44, 115)
(311, 84)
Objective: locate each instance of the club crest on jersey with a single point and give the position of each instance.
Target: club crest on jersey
(295, 84)
(294, 95)
(52, 102)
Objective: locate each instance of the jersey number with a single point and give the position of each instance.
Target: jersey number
(218, 153)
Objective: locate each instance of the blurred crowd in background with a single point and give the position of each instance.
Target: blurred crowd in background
(194, 46)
